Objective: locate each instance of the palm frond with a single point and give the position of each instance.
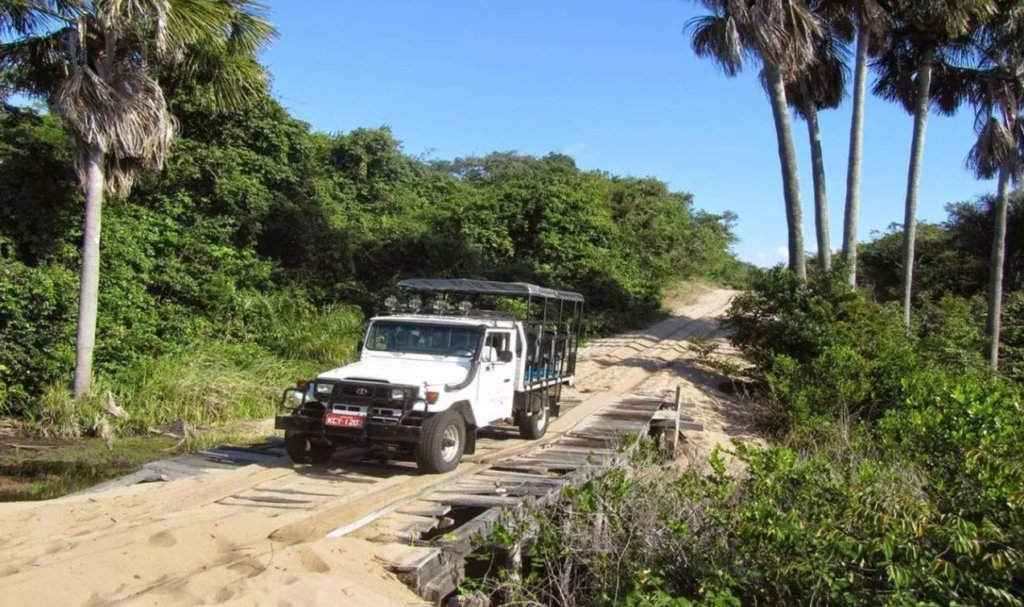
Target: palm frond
(126, 116)
(717, 37)
(240, 26)
(896, 69)
(20, 18)
(993, 151)
(785, 33)
(951, 87)
(35, 66)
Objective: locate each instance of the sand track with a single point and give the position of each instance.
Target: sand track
(255, 535)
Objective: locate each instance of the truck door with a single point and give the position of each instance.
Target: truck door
(497, 380)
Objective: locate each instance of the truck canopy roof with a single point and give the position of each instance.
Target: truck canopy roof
(436, 319)
(466, 286)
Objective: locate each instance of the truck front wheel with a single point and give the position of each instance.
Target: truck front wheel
(303, 448)
(533, 426)
(442, 442)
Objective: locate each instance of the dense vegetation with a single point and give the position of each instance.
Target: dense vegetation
(253, 256)
(940, 56)
(253, 253)
(896, 476)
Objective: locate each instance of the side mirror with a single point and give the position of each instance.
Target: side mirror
(359, 347)
(505, 356)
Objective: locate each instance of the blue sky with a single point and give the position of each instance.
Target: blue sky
(613, 83)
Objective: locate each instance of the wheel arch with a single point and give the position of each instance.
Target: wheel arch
(465, 410)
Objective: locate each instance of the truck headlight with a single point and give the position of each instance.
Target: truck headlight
(397, 394)
(324, 390)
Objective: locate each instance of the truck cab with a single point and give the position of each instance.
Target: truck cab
(428, 379)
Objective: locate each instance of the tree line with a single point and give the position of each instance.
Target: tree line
(247, 222)
(926, 55)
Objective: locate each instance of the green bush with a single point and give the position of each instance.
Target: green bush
(968, 433)
(1012, 351)
(952, 332)
(837, 524)
(36, 335)
(824, 349)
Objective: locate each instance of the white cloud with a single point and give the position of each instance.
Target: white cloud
(782, 251)
(574, 149)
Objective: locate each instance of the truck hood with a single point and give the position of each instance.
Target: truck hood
(403, 371)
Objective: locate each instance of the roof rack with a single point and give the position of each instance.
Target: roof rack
(466, 286)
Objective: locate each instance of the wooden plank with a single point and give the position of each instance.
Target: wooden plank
(234, 501)
(556, 463)
(525, 468)
(324, 492)
(512, 490)
(401, 558)
(269, 499)
(692, 426)
(507, 476)
(666, 415)
(401, 527)
(425, 508)
(675, 435)
(462, 499)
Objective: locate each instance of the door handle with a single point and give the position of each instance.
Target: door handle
(507, 380)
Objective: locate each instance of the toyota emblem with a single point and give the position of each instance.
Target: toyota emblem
(362, 391)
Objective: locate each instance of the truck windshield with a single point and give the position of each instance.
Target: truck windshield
(440, 340)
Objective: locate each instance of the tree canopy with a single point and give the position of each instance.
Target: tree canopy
(255, 202)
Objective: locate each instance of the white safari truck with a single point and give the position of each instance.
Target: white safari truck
(434, 369)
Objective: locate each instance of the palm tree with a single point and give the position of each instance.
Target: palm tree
(821, 85)
(871, 21)
(781, 35)
(997, 93)
(929, 36)
(97, 64)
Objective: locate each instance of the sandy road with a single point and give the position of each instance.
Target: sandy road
(256, 535)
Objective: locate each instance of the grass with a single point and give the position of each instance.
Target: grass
(206, 384)
(215, 388)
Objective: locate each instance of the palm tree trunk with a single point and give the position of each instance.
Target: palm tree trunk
(995, 283)
(924, 83)
(88, 293)
(820, 194)
(790, 175)
(852, 210)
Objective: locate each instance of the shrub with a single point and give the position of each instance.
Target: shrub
(1012, 352)
(952, 332)
(825, 350)
(782, 314)
(36, 336)
(969, 434)
(838, 524)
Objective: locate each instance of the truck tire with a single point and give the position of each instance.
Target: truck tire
(303, 448)
(442, 442)
(534, 426)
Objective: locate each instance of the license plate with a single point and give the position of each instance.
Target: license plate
(341, 420)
